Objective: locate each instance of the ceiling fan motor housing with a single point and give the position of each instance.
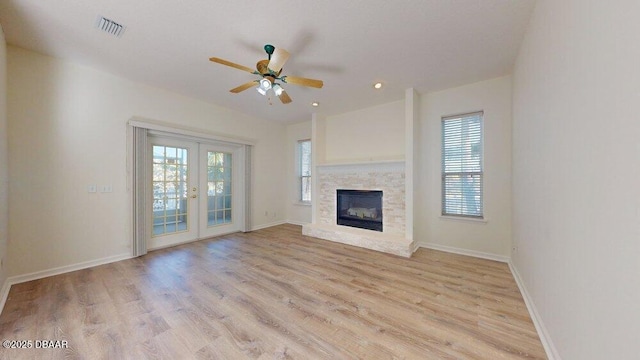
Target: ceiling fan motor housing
(263, 68)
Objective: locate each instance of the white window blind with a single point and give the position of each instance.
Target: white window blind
(304, 170)
(462, 165)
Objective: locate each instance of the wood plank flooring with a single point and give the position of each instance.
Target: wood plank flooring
(275, 294)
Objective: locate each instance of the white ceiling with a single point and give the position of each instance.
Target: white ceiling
(350, 44)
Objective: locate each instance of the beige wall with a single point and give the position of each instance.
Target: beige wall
(378, 133)
(576, 157)
(296, 213)
(492, 237)
(67, 129)
(4, 162)
(370, 134)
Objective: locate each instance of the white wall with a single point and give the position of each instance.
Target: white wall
(4, 162)
(296, 212)
(492, 237)
(374, 133)
(576, 156)
(67, 129)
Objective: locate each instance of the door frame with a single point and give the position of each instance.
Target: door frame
(140, 225)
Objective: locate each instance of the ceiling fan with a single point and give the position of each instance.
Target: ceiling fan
(270, 71)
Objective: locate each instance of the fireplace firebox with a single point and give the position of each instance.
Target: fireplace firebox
(360, 209)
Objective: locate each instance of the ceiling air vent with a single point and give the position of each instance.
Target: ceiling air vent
(110, 26)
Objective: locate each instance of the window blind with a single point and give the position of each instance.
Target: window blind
(304, 163)
(462, 165)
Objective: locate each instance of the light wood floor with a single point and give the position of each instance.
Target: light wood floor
(275, 294)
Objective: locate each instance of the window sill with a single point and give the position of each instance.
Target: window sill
(463, 219)
(302, 203)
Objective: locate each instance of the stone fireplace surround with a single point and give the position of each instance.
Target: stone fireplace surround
(389, 177)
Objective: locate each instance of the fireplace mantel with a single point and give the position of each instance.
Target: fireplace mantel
(362, 166)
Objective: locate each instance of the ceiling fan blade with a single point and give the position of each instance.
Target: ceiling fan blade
(233, 65)
(244, 87)
(303, 81)
(279, 57)
(284, 97)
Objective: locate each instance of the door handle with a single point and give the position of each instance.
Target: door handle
(194, 196)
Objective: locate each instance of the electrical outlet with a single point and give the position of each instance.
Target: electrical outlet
(106, 189)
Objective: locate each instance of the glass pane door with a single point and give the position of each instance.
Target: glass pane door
(170, 189)
(222, 211)
(197, 190)
(174, 194)
(219, 188)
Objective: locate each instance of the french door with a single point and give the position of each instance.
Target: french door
(197, 190)
(222, 184)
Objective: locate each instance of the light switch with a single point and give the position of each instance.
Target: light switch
(106, 189)
(92, 188)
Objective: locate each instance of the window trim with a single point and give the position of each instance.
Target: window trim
(443, 212)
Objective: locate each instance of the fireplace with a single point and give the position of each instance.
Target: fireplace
(360, 209)
(386, 178)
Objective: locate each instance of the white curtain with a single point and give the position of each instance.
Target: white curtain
(140, 191)
(247, 188)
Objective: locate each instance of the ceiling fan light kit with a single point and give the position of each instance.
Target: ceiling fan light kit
(269, 70)
(265, 84)
(277, 89)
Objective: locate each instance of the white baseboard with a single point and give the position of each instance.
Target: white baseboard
(4, 294)
(55, 271)
(264, 226)
(414, 247)
(549, 348)
(454, 250)
(299, 223)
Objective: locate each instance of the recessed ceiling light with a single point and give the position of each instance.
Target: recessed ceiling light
(315, 104)
(377, 85)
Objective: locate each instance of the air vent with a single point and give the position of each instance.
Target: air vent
(110, 26)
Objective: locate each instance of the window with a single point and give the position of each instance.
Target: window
(219, 180)
(170, 187)
(462, 165)
(304, 170)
